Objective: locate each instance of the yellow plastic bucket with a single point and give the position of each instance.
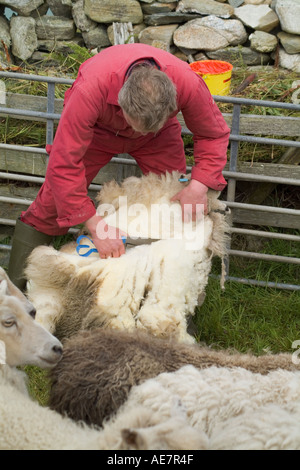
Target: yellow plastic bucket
(215, 73)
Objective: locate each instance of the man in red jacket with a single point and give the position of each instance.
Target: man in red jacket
(124, 100)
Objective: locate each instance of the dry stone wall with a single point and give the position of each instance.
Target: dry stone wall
(243, 32)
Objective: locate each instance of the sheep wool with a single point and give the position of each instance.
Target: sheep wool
(99, 367)
(25, 425)
(235, 408)
(152, 287)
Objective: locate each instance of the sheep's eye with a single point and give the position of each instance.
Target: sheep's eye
(8, 323)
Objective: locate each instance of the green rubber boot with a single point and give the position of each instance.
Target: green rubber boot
(25, 239)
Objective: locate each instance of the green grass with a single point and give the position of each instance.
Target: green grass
(248, 318)
(39, 384)
(252, 318)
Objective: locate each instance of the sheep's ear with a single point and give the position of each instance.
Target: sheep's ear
(3, 287)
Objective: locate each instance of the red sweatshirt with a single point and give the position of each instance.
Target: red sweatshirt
(92, 102)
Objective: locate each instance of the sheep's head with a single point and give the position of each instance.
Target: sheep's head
(23, 340)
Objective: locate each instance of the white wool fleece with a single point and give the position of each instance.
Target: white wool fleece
(25, 425)
(235, 408)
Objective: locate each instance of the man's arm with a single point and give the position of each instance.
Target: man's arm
(211, 137)
(210, 132)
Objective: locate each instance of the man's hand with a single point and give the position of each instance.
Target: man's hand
(193, 200)
(107, 239)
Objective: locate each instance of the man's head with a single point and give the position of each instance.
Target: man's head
(147, 98)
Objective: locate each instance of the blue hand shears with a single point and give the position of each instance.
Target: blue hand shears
(85, 250)
(89, 248)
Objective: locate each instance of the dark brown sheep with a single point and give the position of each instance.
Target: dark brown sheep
(100, 366)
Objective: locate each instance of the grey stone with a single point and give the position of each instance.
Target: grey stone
(39, 11)
(22, 7)
(96, 37)
(205, 7)
(188, 52)
(209, 34)
(289, 61)
(200, 56)
(82, 21)
(43, 59)
(4, 32)
(290, 42)
(109, 11)
(162, 35)
(260, 17)
(257, 2)
(261, 41)
(180, 55)
(288, 12)
(169, 18)
(5, 43)
(193, 35)
(235, 3)
(240, 56)
(48, 45)
(157, 7)
(232, 29)
(55, 27)
(24, 38)
(61, 7)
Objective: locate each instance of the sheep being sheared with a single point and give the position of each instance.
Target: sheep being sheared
(152, 287)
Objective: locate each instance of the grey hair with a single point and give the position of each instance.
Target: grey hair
(148, 96)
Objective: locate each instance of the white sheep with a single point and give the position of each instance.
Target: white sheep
(152, 287)
(235, 408)
(25, 425)
(24, 341)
